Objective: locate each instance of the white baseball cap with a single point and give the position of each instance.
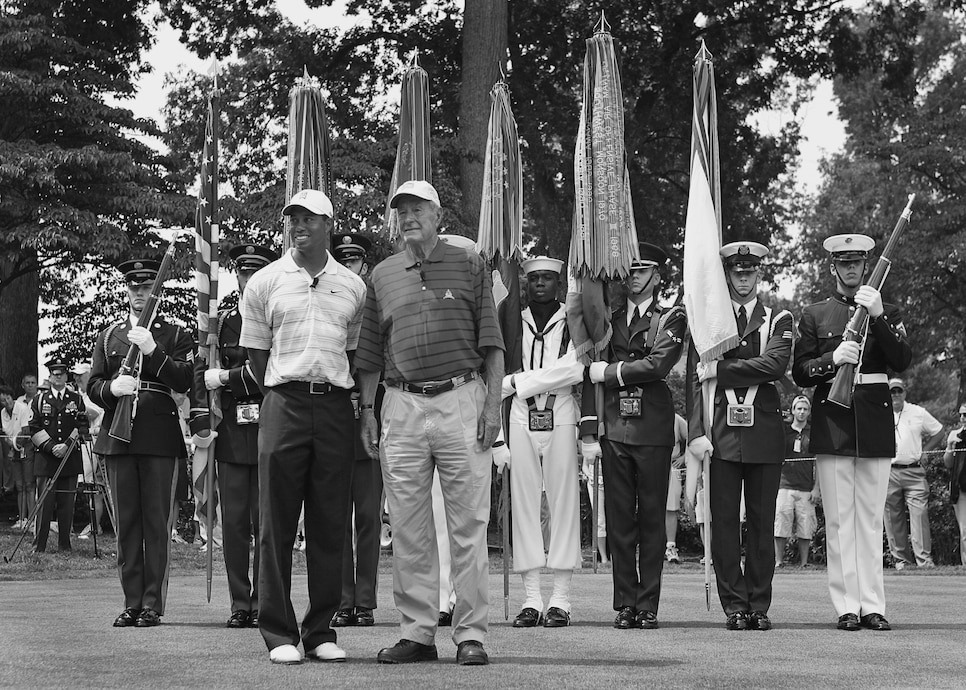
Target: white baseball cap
(420, 189)
(312, 200)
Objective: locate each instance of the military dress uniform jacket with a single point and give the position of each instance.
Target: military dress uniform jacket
(52, 422)
(863, 429)
(634, 368)
(156, 427)
(744, 366)
(237, 443)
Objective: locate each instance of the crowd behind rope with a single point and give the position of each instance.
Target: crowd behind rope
(362, 394)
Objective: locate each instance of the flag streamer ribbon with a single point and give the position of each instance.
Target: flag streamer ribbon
(413, 156)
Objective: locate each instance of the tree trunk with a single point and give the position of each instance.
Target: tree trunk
(19, 329)
(484, 50)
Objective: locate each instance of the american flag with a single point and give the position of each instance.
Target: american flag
(206, 238)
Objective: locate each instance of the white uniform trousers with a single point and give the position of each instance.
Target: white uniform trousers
(528, 477)
(853, 496)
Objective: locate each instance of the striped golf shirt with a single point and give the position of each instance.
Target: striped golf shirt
(429, 320)
(308, 323)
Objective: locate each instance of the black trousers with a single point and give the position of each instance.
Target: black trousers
(143, 490)
(305, 450)
(238, 493)
(359, 574)
(63, 494)
(635, 481)
(749, 590)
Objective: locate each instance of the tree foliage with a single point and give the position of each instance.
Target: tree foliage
(902, 95)
(76, 185)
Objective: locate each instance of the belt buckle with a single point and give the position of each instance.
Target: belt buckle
(427, 389)
(322, 388)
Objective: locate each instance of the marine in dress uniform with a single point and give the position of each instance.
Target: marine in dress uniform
(639, 435)
(58, 416)
(360, 555)
(853, 445)
(542, 435)
(748, 440)
(236, 441)
(142, 473)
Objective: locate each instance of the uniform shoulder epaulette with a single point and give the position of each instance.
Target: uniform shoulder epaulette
(667, 314)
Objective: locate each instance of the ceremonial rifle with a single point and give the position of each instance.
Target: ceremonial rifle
(124, 413)
(843, 385)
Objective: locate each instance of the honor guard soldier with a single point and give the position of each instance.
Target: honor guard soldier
(142, 473)
(236, 447)
(58, 417)
(747, 439)
(639, 435)
(360, 565)
(542, 437)
(853, 445)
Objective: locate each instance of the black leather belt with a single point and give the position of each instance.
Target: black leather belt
(313, 387)
(437, 387)
(911, 464)
(153, 387)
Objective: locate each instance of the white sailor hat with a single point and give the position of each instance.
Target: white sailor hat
(459, 241)
(542, 263)
(743, 254)
(849, 247)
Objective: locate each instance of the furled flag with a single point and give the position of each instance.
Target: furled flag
(413, 160)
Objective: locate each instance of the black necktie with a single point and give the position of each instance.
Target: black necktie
(635, 318)
(742, 320)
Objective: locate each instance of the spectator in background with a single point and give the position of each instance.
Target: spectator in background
(674, 485)
(798, 493)
(93, 472)
(907, 499)
(954, 458)
(30, 384)
(16, 446)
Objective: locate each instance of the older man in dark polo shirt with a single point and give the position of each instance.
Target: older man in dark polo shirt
(431, 324)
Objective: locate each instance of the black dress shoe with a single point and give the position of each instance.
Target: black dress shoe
(445, 619)
(759, 620)
(471, 653)
(849, 622)
(148, 618)
(646, 620)
(407, 652)
(626, 619)
(737, 621)
(527, 618)
(364, 616)
(253, 619)
(127, 618)
(875, 621)
(556, 618)
(239, 619)
(343, 618)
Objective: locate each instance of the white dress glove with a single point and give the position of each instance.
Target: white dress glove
(846, 351)
(141, 336)
(213, 379)
(204, 441)
(700, 445)
(124, 385)
(707, 371)
(501, 457)
(868, 297)
(596, 371)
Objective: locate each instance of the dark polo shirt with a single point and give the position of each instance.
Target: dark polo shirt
(429, 320)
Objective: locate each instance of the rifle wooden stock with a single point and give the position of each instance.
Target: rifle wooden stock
(122, 422)
(843, 385)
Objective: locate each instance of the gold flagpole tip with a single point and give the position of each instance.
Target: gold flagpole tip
(704, 53)
(305, 71)
(602, 26)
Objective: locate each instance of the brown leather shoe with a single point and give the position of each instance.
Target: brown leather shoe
(471, 653)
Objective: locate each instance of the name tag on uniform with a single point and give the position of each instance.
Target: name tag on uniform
(246, 413)
(541, 420)
(741, 415)
(629, 406)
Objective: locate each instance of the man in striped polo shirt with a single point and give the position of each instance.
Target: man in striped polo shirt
(431, 323)
(300, 323)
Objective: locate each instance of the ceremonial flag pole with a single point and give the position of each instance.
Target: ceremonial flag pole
(413, 159)
(309, 163)
(206, 276)
(706, 297)
(500, 242)
(604, 238)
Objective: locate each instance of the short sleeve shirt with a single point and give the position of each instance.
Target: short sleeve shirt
(307, 323)
(912, 424)
(429, 320)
